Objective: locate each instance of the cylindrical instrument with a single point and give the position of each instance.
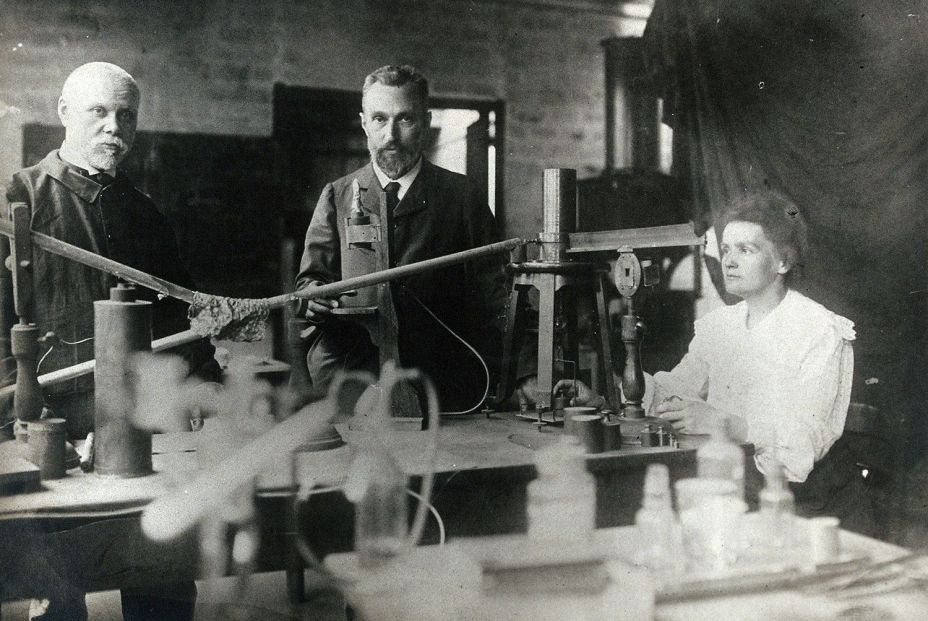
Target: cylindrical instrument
(362, 234)
(122, 327)
(24, 345)
(589, 428)
(560, 213)
(47, 446)
(612, 435)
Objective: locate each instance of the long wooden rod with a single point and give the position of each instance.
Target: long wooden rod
(159, 285)
(91, 259)
(394, 273)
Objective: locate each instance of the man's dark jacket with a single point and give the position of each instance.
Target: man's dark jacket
(440, 213)
(116, 221)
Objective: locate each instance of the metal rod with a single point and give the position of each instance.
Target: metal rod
(188, 336)
(395, 273)
(90, 259)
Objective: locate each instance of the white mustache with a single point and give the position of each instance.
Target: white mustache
(117, 142)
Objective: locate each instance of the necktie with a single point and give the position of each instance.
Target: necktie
(393, 195)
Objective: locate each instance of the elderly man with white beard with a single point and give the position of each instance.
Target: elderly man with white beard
(77, 195)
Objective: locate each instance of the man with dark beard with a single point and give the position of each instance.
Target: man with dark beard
(77, 195)
(435, 212)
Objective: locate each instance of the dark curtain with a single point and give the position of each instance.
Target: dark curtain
(828, 102)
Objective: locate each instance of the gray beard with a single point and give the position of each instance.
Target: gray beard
(395, 164)
(103, 159)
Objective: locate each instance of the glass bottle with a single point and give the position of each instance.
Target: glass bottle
(381, 516)
(777, 509)
(657, 525)
(561, 502)
(720, 458)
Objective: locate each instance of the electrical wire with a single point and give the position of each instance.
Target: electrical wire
(309, 557)
(60, 340)
(303, 547)
(89, 338)
(392, 376)
(434, 512)
(42, 359)
(486, 370)
(444, 484)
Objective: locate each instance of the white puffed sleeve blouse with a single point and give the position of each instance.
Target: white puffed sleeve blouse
(789, 378)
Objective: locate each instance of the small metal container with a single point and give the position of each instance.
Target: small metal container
(47, 446)
(557, 407)
(589, 428)
(649, 437)
(575, 410)
(612, 434)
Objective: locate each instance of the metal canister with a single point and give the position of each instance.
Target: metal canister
(47, 446)
(589, 428)
(612, 434)
(560, 213)
(122, 327)
(649, 436)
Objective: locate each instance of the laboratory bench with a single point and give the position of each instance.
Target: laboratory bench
(89, 525)
(511, 577)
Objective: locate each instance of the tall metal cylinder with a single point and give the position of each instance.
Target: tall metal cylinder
(560, 213)
(121, 328)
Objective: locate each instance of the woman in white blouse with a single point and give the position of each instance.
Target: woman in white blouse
(776, 367)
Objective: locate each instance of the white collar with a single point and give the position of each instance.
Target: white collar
(771, 318)
(405, 181)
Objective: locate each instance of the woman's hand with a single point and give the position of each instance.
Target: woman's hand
(690, 415)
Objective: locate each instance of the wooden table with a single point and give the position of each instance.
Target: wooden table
(445, 583)
(89, 524)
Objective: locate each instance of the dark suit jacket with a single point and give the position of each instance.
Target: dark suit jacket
(441, 213)
(118, 222)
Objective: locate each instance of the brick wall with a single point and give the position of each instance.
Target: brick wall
(209, 66)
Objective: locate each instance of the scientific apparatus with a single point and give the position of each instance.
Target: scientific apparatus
(559, 281)
(376, 483)
(122, 328)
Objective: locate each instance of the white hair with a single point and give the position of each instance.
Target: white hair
(97, 71)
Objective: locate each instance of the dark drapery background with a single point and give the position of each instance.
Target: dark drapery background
(827, 101)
